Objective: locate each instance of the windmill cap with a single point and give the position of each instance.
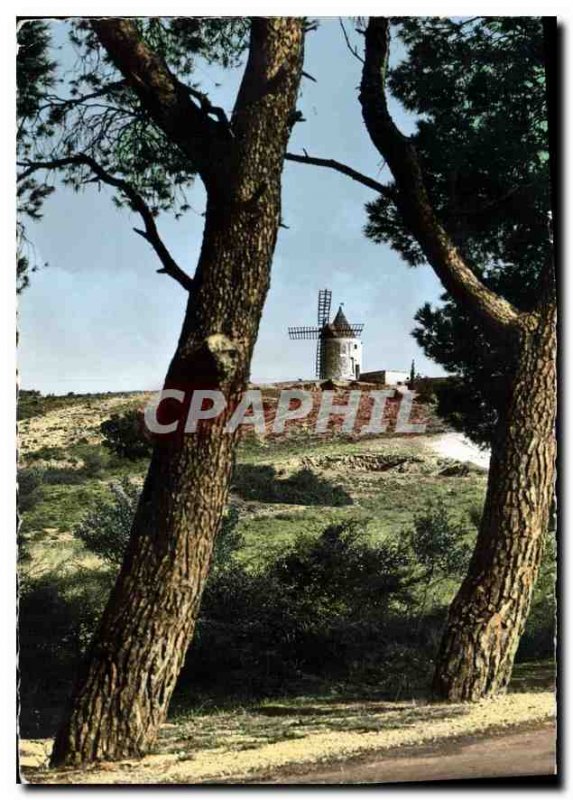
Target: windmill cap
(339, 327)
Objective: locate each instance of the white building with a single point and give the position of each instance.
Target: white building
(386, 377)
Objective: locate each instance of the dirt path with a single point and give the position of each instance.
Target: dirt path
(528, 752)
(459, 447)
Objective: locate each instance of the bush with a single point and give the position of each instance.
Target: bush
(126, 436)
(341, 571)
(95, 463)
(55, 623)
(332, 608)
(63, 476)
(106, 529)
(30, 480)
(327, 609)
(440, 544)
(335, 610)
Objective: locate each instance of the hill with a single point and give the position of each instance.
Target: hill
(337, 475)
(265, 671)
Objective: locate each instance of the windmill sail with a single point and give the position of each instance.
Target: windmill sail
(323, 316)
(324, 298)
(319, 358)
(304, 332)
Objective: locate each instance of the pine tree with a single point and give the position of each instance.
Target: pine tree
(156, 132)
(425, 220)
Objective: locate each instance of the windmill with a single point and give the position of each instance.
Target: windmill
(338, 349)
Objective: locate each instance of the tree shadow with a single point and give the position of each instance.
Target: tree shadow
(57, 615)
(262, 483)
(532, 676)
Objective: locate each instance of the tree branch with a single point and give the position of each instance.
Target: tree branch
(167, 101)
(411, 196)
(70, 102)
(330, 163)
(352, 49)
(207, 106)
(138, 204)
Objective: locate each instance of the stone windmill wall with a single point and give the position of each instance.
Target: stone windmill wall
(342, 351)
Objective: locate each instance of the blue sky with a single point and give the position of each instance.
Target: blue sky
(99, 318)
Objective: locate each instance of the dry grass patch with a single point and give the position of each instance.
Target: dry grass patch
(239, 746)
(64, 426)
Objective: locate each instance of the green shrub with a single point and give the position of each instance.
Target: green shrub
(331, 609)
(63, 476)
(30, 480)
(56, 619)
(126, 436)
(340, 570)
(106, 529)
(334, 611)
(440, 544)
(337, 608)
(95, 463)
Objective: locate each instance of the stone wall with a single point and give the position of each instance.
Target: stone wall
(342, 358)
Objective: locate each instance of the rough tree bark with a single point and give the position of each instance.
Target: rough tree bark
(123, 691)
(488, 615)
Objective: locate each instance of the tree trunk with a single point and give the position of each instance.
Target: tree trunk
(488, 615)
(123, 692)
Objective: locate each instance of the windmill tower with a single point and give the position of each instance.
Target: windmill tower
(338, 349)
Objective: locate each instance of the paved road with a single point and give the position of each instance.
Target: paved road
(530, 752)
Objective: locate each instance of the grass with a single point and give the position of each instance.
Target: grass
(394, 504)
(243, 739)
(61, 506)
(279, 496)
(253, 742)
(296, 446)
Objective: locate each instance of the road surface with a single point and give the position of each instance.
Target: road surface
(520, 753)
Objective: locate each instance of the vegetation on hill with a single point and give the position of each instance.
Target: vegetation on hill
(332, 572)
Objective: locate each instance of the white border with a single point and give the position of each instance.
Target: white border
(313, 8)
(7, 304)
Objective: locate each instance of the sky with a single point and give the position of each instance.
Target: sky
(99, 318)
